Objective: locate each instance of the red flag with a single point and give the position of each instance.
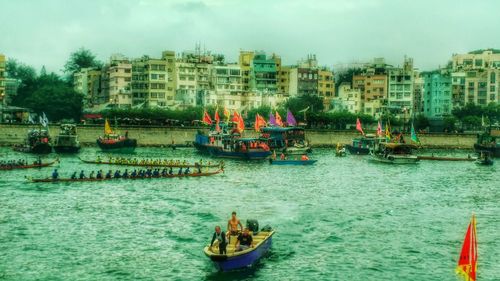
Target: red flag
(206, 118)
(279, 122)
(236, 117)
(467, 262)
(241, 124)
(358, 127)
(379, 129)
(259, 122)
(217, 119)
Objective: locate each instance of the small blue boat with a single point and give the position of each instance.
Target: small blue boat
(246, 258)
(292, 162)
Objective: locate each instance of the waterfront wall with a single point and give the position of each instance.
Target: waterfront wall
(162, 136)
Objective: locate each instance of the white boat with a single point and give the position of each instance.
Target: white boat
(394, 153)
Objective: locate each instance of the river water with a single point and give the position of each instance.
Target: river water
(342, 219)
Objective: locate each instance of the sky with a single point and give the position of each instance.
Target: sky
(45, 32)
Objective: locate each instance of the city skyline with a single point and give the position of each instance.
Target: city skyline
(428, 32)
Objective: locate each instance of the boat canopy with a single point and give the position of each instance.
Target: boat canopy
(280, 129)
(391, 145)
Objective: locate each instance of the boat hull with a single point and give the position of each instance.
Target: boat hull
(357, 150)
(220, 153)
(124, 146)
(41, 148)
(396, 159)
(494, 150)
(292, 162)
(225, 263)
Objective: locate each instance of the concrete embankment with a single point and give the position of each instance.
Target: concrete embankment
(163, 136)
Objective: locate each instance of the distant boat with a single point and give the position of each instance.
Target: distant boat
(35, 164)
(290, 140)
(394, 153)
(230, 144)
(467, 261)
(113, 142)
(292, 162)
(67, 140)
(485, 158)
(235, 260)
(362, 145)
(37, 141)
(488, 141)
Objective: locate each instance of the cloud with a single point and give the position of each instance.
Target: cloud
(45, 32)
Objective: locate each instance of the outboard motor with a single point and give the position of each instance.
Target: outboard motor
(253, 226)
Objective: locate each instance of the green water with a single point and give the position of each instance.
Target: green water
(343, 219)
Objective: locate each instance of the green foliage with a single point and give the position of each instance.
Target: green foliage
(262, 110)
(449, 123)
(57, 100)
(339, 119)
(82, 58)
(346, 76)
(471, 113)
(421, 122)
(190, 114)
(297, 104)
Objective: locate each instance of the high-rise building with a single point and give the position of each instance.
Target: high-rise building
(87, 82)
(437, 94)
(400, 92)
(263, 73)
(149, 82)
(116, 77)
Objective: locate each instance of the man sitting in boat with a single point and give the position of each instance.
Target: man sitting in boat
(304, 157)
(232, 224)
(55, 174)
(244, 240)
(220, 237)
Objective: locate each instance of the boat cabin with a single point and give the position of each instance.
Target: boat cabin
(278, 137)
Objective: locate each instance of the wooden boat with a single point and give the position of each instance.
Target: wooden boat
(167, 165)
(113, 142)
(292, 162)
(394, 153)
(67, 140)
(227, 143)
(362, 145)
(235, 260)
(440, 158)
(192, 175)
(29, 166)
(340, 151)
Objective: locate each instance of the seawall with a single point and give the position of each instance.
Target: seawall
(163, 136)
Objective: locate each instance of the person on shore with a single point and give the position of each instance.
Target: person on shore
(244, 240)
(220, 237)
(82, 174)
(55, 174)
(233, 223)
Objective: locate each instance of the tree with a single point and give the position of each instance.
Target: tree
(449, 123)
(82, 58)
(58, 101)
(346, 76)
(297, 104)
(421, 122)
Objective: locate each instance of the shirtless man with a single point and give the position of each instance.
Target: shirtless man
(232, 225)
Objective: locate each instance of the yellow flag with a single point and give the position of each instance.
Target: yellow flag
(107, 128)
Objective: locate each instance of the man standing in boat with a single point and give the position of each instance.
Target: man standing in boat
(232, 225)
(220, 236)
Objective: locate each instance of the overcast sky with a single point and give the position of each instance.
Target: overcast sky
(45, 32)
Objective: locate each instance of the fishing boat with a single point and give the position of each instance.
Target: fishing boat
(362, 145)
(488, 141)
(394, 153)
(227, 143)
(340, 151)
(233, 259)
(113, 142)
(191, 175)
(292, 162)
(484, 158)
(37, 141)
(289, 140)
(154, 163)
(467, 261)
(36, 164)
(67, 139)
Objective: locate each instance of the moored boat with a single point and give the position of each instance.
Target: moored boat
(67, 139)
(232, 260)
(488, 141)
(362, 145)
(190, 175)
(290, 140)
(112, 142)
(394, 153)
(485, 158)
(445, 158)
(37, 142)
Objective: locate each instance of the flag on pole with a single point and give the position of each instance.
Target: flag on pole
(206, 118)
(279, 121)
(272, 119)
(227, 114)
(290, 119)
(240, 124)
(467, 261)
(358, 127)
(107, 128)
(379, 129)
(259, 122)
(217, 119)
(387, 133)
(414, 136)
(30, 119)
